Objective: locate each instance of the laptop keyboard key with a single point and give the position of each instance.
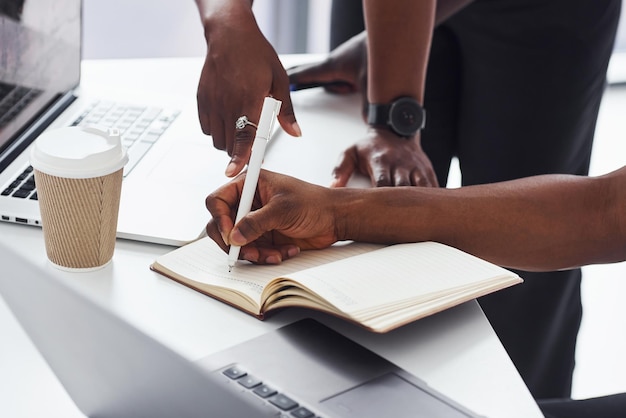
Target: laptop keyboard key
(234, 372)
(22, 193)
(265, 391)
(283, 402)
(287, 406)
(249, 382)
(302, 412)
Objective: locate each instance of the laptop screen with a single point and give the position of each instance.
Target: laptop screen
(40, 51)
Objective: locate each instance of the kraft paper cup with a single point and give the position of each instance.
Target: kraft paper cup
(78, 173)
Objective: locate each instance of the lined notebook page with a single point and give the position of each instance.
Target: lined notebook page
(203, 261)
(397, 273)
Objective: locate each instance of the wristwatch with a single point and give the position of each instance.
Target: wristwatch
(404, 116)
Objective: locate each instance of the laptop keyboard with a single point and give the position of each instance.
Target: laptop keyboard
(23, 186)
(141, 127)
(287, 406)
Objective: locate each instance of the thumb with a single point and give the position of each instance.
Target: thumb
(310, 73)
(346, 167)
(254, 225)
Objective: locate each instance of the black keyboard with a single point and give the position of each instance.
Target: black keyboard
(286, 405)
(140, 127)
(23, 186)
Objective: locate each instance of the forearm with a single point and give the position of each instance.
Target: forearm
(399, 37)
(223, 11)
(540, 223)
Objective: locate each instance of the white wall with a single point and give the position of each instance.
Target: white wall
(172, 28)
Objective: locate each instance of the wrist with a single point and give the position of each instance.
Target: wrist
(404, 116)
(388, 134)
(389, 215)
(217, 16)
(347, 207)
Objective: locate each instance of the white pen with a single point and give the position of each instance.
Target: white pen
(270, 110)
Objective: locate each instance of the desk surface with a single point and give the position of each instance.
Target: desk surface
(455, 351)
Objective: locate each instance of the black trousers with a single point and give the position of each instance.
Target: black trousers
(513, 89)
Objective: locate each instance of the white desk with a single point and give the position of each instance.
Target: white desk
(455, 351)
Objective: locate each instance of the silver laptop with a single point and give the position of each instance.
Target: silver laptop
(111, 369)
(172, 167)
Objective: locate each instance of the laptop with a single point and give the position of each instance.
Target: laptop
(111, 369)
(172, 167)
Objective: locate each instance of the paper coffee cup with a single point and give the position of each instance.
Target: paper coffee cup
(78, 173)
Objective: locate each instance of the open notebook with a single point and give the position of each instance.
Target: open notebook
(377, 287)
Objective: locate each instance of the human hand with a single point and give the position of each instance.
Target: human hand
(343, 71)
(387, 160)
(288, 215)
(241, 69)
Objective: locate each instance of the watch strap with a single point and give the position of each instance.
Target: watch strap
(378, 114)
(404, 116)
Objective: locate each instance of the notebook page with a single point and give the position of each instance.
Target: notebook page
(397, 273)
(203, 261)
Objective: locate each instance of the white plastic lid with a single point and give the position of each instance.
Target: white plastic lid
(79, 152)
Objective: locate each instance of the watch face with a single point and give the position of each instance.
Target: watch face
(406, 116)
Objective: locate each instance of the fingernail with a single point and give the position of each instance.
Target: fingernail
(297, 129)
(273, 259)
(249, 254)
(236, 238)
(293, 251)
(230, 169)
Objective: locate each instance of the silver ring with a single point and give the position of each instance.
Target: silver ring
(242, 122)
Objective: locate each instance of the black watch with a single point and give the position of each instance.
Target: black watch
(404, 116)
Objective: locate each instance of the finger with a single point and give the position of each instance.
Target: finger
(242, 149)
(317, 75)
(268, 255)
(217, 132)
(203, 112)
(402, 177)
(244, 128)
(421, 179)
(214, 233)
(381, 176)
(222, 205)
(286, 116)
(288, 122)
(205, 122)
(339, 87)
(346, 167)
(251, 227)
(317, 72)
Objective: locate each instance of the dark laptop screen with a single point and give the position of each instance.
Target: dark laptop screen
(39, 59)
